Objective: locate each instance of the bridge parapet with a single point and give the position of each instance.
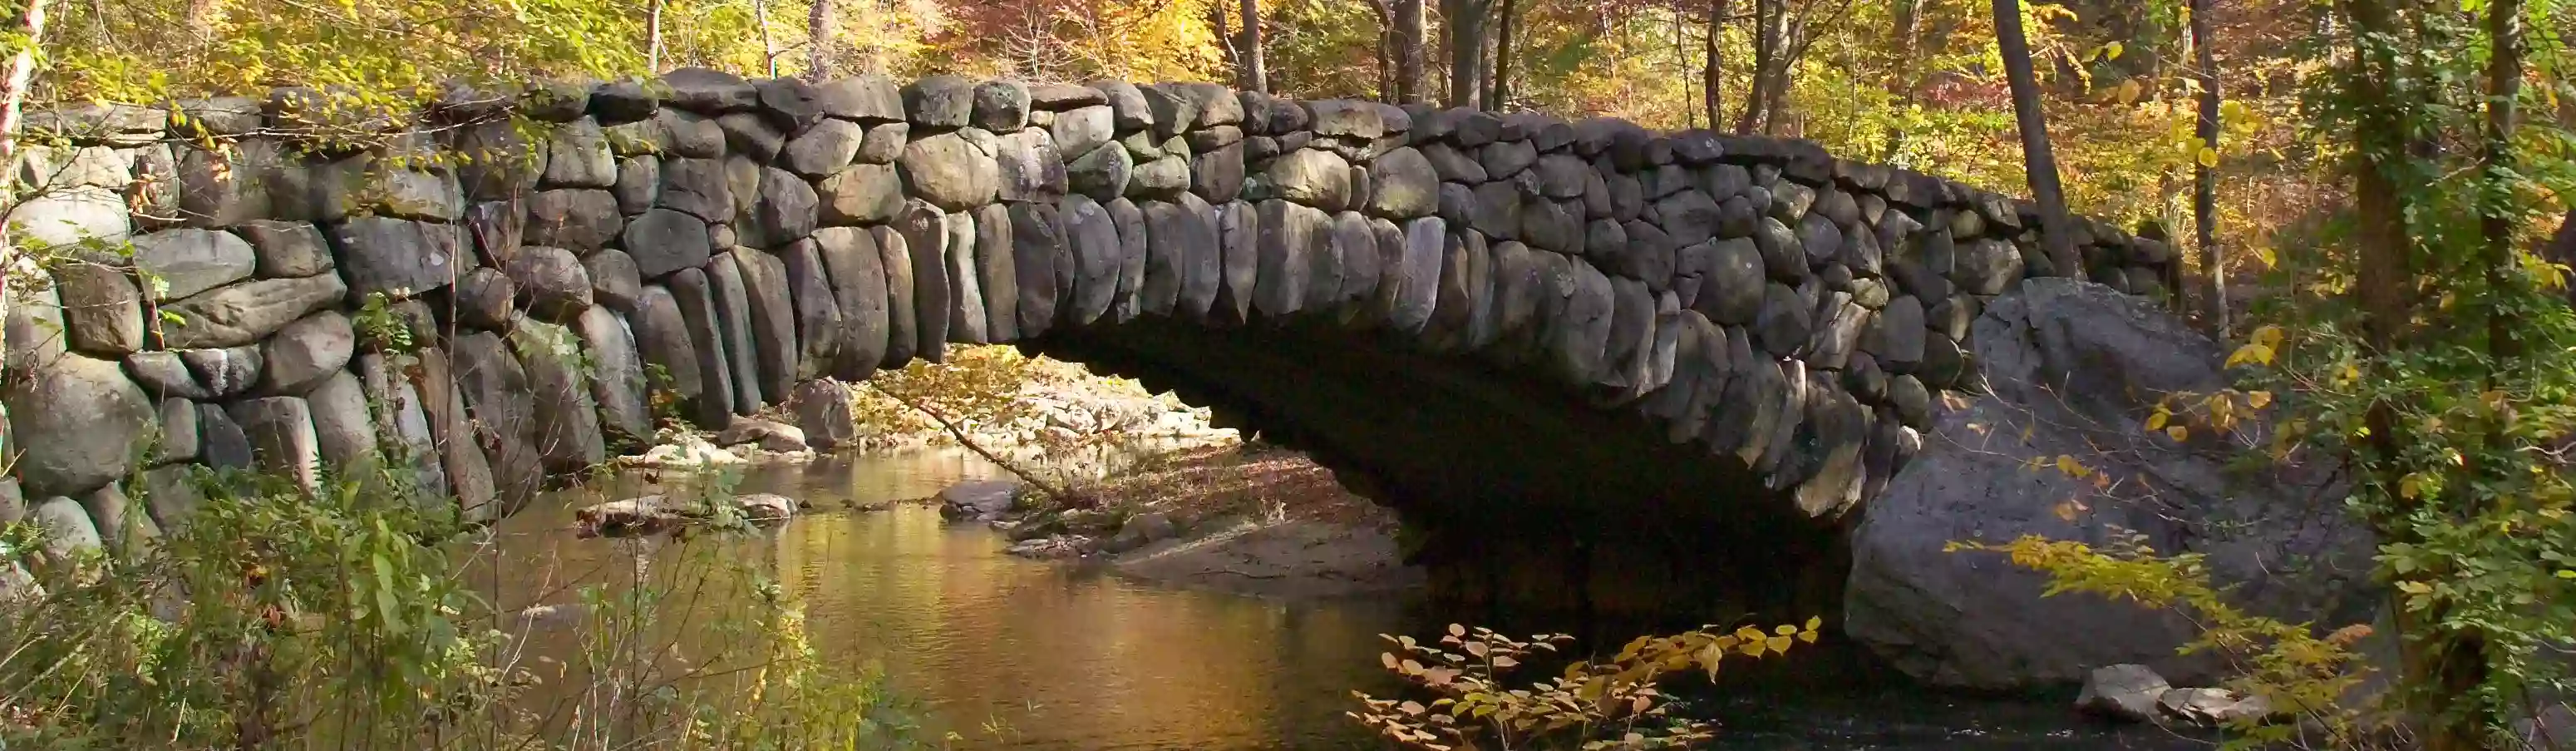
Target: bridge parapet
(1790, 310)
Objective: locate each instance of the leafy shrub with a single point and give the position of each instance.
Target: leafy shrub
(1611, 704)
(2297, 671)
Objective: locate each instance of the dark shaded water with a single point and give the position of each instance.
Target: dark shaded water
(1031, 656)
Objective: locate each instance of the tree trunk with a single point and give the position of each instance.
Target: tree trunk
(2495, 224)
(1256, 75)
(1905, 78)
(1465, 28)
(653, 28)
(1385, 50)
(818, 39)
(13, 97)
(768, 41)
(1408, 51)
(2204, 197)
(1502, 82)
(2037, 159)
(1765, 47)
(1712, 98)
(1224, 40)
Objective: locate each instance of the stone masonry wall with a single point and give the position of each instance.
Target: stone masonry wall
(1790, 309)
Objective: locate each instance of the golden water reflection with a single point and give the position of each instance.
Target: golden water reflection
(1061, 659)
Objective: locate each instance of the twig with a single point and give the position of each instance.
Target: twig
(1052, 491)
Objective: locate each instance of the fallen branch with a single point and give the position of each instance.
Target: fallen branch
(1061, 496)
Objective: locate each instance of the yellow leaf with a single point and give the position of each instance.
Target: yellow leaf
(1809, 636)
(2130, 90)
(2071, 467)
(2410, 486)
(2157, 421)
(2253, 352)
(1785, 630)
(2177, 432)
(2258, 399)
(1778, 643)
(2065, 511)
(1814, 623)
(2269, 336)
(2414, 587)
(2264, 254)
(2208, 157)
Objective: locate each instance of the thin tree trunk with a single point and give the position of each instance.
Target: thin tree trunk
(1225, 40)
(1408, 51)
(818, 39)
(2036, 156)
(2504, 88)
(1465, 27)
(1711, 71)
(768, 41)
(2204, 197)
(13, 92)
(13, 98)
(653, 28)
(1386, 87)
(1502, 82)
(1766, 47)
(1256, 74)
(1906, 75)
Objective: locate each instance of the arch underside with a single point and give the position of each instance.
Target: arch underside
(1519, 494)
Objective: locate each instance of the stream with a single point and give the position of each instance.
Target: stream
(1036, 656)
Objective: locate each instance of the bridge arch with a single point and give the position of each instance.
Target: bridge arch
(1710, 349)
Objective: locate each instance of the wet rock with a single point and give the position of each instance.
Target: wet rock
(826, 414)
(764, 434)
(785, 211)
(826, 146)
(941, 101)
(978, 500)
(2126, 692)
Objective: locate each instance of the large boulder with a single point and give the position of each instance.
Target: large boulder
(247, 312)
(102, 311)
(182, 262)
(616, 374)
(825, 412)
(378, 254)
(551, 283)
(567, 419)
(307, 351)
(2072, 366)
(950, 171)
(91, 419)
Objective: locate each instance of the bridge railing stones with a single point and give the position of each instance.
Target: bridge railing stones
(1791, 311)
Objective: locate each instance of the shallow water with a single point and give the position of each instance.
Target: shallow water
(1057, 658)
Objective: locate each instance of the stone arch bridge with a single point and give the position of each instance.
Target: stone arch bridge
(1674, 355)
